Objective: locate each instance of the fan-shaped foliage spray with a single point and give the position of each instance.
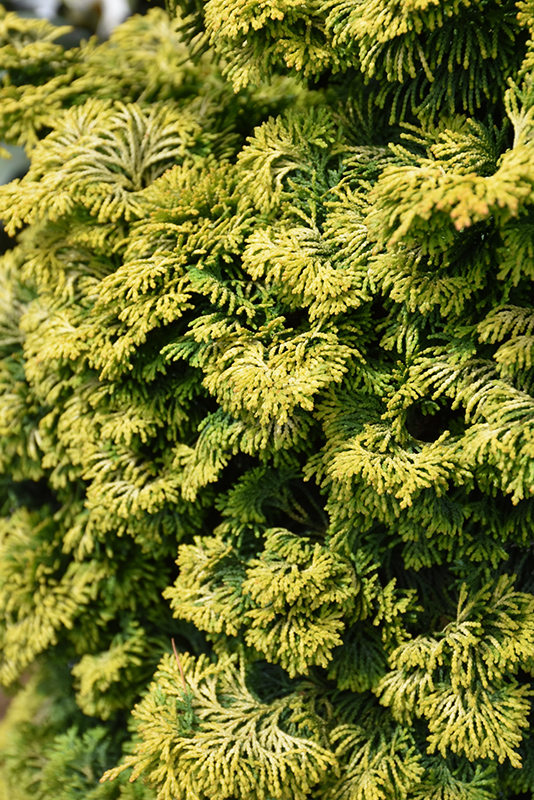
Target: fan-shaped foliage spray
(267, 404)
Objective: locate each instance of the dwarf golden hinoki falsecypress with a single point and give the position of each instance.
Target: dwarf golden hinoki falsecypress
(267, 393)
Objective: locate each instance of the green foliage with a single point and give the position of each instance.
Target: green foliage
(408, 52)
(229, 743)
(48, 747)
(267, 393)
(465, 674)
(290, 602)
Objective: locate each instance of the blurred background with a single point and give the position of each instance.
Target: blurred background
(87, 16)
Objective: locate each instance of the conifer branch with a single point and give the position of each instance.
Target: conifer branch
(175, 651)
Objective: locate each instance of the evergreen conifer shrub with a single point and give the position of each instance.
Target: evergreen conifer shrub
(267, 404)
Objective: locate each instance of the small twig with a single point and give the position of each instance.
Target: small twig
(179, 665)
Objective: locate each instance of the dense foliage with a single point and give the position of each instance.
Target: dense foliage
(267, 404)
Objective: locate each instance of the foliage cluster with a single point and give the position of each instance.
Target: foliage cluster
(267, 389)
